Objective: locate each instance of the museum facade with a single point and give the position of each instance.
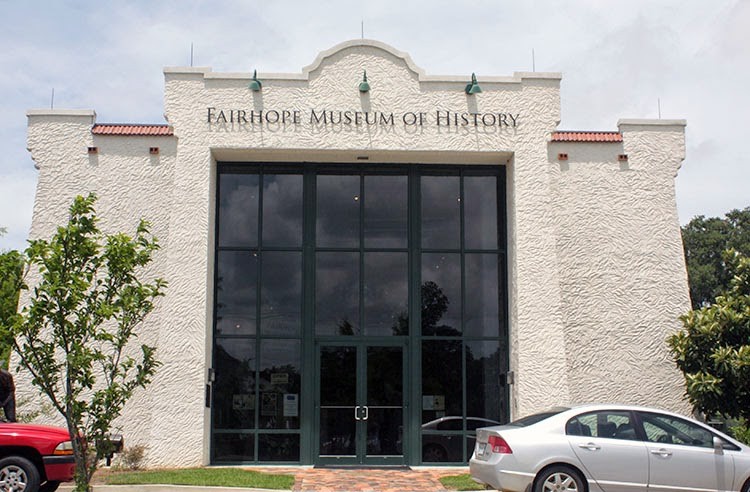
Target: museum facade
(366, 262)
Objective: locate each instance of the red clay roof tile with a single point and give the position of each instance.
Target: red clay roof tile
(127, 129)
(570, 136)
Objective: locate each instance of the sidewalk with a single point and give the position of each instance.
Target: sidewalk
(420, 479)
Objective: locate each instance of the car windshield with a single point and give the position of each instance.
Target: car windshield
(537, 417)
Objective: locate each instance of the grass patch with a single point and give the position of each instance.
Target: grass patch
(208, 477)
(460, 482)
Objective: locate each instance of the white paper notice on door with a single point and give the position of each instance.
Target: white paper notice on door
(291, 405)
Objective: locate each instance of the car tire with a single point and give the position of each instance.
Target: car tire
(49, 486)
(746, 487)
(18, 474)
(559, 478)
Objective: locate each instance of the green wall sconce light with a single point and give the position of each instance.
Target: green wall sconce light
(364, 86)
(472, 87)
(255, 84)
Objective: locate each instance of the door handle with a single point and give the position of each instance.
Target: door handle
(590, 446)
(661, 452)
(367, 413)
(356, 413)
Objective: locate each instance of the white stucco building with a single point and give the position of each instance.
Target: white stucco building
(346, 265)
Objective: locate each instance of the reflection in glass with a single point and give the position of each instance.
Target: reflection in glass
(338, 376)
(482, 295)
(480, 212)
(337, 432)
(278, 447)
(233, 447)
(385, 375)
(238, 209)
(236, 292)
(385, 211)
(338, 204)
(338, 393)
(386, 294)
(441, 379)
(441, 212)
(282, 210)
(281, 293)
(280, 363)
(441, 294)
(234, 388)
(442, 448)
(337, 293)
(483, 370)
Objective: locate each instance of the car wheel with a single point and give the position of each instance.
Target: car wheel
(433, 453)
(746, 487)
(559, 479)
(18, 474)
(49, 486)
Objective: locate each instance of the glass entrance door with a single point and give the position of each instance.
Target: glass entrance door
(360, 403)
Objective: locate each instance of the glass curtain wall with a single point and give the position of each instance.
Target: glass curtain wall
(374, 237)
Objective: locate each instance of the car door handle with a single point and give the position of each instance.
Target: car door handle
(661, 452)
(590, 446)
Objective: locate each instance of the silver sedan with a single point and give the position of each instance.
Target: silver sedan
(609, 448)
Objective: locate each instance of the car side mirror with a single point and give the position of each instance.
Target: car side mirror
(718, 445)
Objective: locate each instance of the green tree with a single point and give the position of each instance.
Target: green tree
(705, 240)
(73, 336)
(713, 348)
(11, 268)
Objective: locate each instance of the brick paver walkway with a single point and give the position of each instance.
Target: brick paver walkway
(367, 480)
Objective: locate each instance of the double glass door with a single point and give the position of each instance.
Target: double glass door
(360, 407)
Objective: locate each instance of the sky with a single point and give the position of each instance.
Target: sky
(686, 59)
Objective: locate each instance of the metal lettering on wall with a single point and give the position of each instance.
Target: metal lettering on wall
(220, 119)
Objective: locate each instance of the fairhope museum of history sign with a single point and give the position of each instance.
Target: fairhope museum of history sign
(444, 118)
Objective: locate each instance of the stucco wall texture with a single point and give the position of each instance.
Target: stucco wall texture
(596, 271)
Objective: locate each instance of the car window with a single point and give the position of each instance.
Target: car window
(610, 424)
(537, 417)
(672, 430)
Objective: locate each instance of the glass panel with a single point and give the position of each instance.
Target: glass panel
(236, 292)
(278, 447)
(485, 395)
(338, 393)
(480, 212)
(238, 209)
(337, 431)
(442, 448)
(441, 381)
(234, 387)
(338, 376)
(337, 294)
(386, 294)
(233, 448)
(385, 376)
(281, 293)
(482, 295)
(441, 212)
(280, 363)
(338, 200)
(282, 210)
(386, 211)
(385, 431)
(441, 294)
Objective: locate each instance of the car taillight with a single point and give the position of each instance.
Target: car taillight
(64, 448)
(499, 445)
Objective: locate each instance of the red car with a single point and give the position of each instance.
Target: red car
(34, 457)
